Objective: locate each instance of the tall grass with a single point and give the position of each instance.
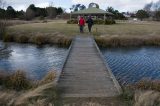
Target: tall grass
(147, 98)
(16, 81)
(148, 85)
(143, 93)
(14, 93)
(19, 80)
(38, 38)
(126, 41)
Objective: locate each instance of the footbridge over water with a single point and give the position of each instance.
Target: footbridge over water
(85, 73)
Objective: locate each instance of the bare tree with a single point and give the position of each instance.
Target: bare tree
(148, 7)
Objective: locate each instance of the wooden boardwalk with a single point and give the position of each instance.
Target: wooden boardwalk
(85, 74)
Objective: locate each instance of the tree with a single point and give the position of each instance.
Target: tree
(110, 9)
(30, 12)
(157, 15)
(51, 12)
(10, 12)
(2, 22)
(117, 14)
(93, 5)
(20, 14)
(59, 10)
(141, 14)
(32, 6)
(40, 12)
(77, 7)
(148, 6)
(2, 13)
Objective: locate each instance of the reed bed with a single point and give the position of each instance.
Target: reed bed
(126, 41)
(38, 38)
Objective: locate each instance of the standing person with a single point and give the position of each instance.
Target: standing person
(81, 24)
(90, 23)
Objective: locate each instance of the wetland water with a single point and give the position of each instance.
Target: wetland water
(130, 65)
(36, 61)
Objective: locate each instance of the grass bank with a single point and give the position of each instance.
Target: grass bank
(129, 34)
(120, 34)
(38, 38)
(18, 90)
(40, 33)
(126, 41)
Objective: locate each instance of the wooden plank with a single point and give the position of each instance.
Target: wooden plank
(85, 73)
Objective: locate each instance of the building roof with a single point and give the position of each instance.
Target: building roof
(92, 10)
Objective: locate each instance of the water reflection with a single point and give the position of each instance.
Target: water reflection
(37, 61)
(130, 65)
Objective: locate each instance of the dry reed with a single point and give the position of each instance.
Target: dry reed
(38, 38)
(124, 41)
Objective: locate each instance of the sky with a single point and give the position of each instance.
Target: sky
(121, 5)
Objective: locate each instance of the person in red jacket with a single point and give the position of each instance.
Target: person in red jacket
(81, 24)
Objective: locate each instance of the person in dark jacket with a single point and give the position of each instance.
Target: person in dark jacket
(90, 23)
(81, 24)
